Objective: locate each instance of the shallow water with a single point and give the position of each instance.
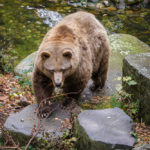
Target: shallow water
(24, 23)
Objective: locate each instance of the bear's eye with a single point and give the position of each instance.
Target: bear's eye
(45, 55)
(67, 54)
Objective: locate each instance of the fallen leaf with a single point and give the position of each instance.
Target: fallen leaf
(3, 97)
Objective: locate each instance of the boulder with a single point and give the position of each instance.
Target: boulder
(106, 129)
(137, 66)
(22, 124)
(25, 67)
(121, 45)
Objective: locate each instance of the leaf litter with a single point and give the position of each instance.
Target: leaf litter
(13, 97)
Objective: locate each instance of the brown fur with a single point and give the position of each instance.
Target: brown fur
(87, 39)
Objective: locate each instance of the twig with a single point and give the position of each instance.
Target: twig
(36, 111)
(33, 136)
(63, 94)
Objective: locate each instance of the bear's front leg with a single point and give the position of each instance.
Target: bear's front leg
(74, 88)
(43, 89)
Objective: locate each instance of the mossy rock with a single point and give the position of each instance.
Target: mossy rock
(137, 66)
(25, 67)
(123, 45)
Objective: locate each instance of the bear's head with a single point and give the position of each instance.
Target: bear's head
(58, 60)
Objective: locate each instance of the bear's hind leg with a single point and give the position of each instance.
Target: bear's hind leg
(99, 78)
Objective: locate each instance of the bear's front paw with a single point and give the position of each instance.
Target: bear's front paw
(94, 87)
(46, 111)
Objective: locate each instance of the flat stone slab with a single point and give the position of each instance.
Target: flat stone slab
(22, 123)
(106, 129)
(137, 66)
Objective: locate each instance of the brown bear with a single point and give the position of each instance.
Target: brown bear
(71, 53)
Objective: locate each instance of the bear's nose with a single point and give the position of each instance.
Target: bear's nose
(58, 84)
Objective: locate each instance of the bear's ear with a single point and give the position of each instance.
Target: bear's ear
(67, 53)
(45, 55)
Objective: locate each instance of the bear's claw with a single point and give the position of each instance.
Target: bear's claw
(46, 110)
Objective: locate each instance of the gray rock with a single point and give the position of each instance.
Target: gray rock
(76, 4)
(25, 67)
(144, 147)
(106, 3)
(100, 5)
(91, 5)
(137, 66)
(20, 124)
(107, 129)
(121, 45)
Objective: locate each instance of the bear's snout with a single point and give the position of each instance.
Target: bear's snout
(58, 79)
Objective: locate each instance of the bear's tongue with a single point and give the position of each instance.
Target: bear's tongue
(58, 79)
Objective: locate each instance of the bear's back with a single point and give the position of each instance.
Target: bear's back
(86, 23)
